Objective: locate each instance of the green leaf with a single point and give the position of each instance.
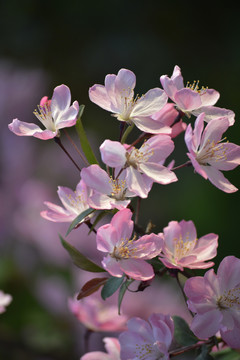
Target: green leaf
(226, 354)
(182, 333)
(79, 259)
(122, 291)
(83, 139)
(78, 219)
(98, 218)
(204, 355)
(111, 286)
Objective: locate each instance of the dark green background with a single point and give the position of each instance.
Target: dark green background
(78, 42)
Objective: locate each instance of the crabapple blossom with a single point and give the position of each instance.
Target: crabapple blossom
(191, 99)
(147, 340)
(113, 351)
(5, 300)
(182, 249)
(215, 298)
(169, 116)
(74, 202)
(54, 115)
(105, 192)
(125, 255)
(141, 166)
(97, 315)
(209, 154)
(117, 96)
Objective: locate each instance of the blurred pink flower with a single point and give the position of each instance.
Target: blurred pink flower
(95, 315)
(215, 298)
(209, 154)
(147, 339)
(126, 255)
(5, 300)
(113, 351)
(104, 192)
(191, 99)
(54, 115)
(182, 249)
(117, 96)
(141, 166)
(75, 202)
(167, 116)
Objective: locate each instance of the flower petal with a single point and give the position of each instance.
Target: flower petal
(137, 269)
(150, 103)
(22, 128)
(218, 179)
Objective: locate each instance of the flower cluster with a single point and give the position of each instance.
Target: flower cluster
(127, 174)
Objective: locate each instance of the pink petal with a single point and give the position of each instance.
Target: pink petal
(107, 238)
(232, 337)
(137, 269)
(61, 100)
(187, 99)
(56, 213)
(229, 157)
(161, 146)
(69, 117)
(148, 246)
(229, 272)
(214, 130)
(93, 355)
(219, 180)
(125, 81)
(150, 103)
(171, 86)
(198, 129)
(21, 128)
(158, 173)
(148, 125)
(206, 325)
(213, 112)
(123, 224)
(167, 114)
(209, 97)
(113, 347)
(200, 169)
(112, 266)
(99, 96)
(178, 128)
(100, 201)
(188, 230)
(113, 153)
(97, 179)
(162, 332)
(136, 182)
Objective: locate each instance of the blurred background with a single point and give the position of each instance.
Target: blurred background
(44, 44)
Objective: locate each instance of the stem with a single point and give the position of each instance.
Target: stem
(76, 148)
(141, 137)
(58, 141)
(137, 210)
(183, 293)
(188, 348)
(188, 163)
(87, 334)
(89, 224)
(122, 127)
(127, 132)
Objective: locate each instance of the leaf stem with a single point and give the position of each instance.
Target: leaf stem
(76, 148)
(127, 132)
(58, 141)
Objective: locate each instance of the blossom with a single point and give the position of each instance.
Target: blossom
(147, 340)
(105, 192)
(5, 300)
(96, 315)
(113, 351)
(54, 115)
(209, 154)
(215, 298)
(182, 248)
(191, 99)
(74, 202)
(141, 166)
(117, 96)
(125, 255)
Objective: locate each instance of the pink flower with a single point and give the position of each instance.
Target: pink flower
(126, 255)
(97, 315)
(117, 96)
(147, 340)
(191, 99)
(209, 154)
(5, 300)
(113, 351)
(182, 249)
(104, 192)
(215, 298)
(54, 115)
(142, 166)
(167, 117)
(74, 202)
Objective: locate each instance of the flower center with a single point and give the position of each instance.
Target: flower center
(127, 104)
(183, 246)
(118, 189)
(77, 202)
(44, 114)
(212, 151)
(125, 249)
(195, 87)
(145, 349)
(136, 156)
(229, 299)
